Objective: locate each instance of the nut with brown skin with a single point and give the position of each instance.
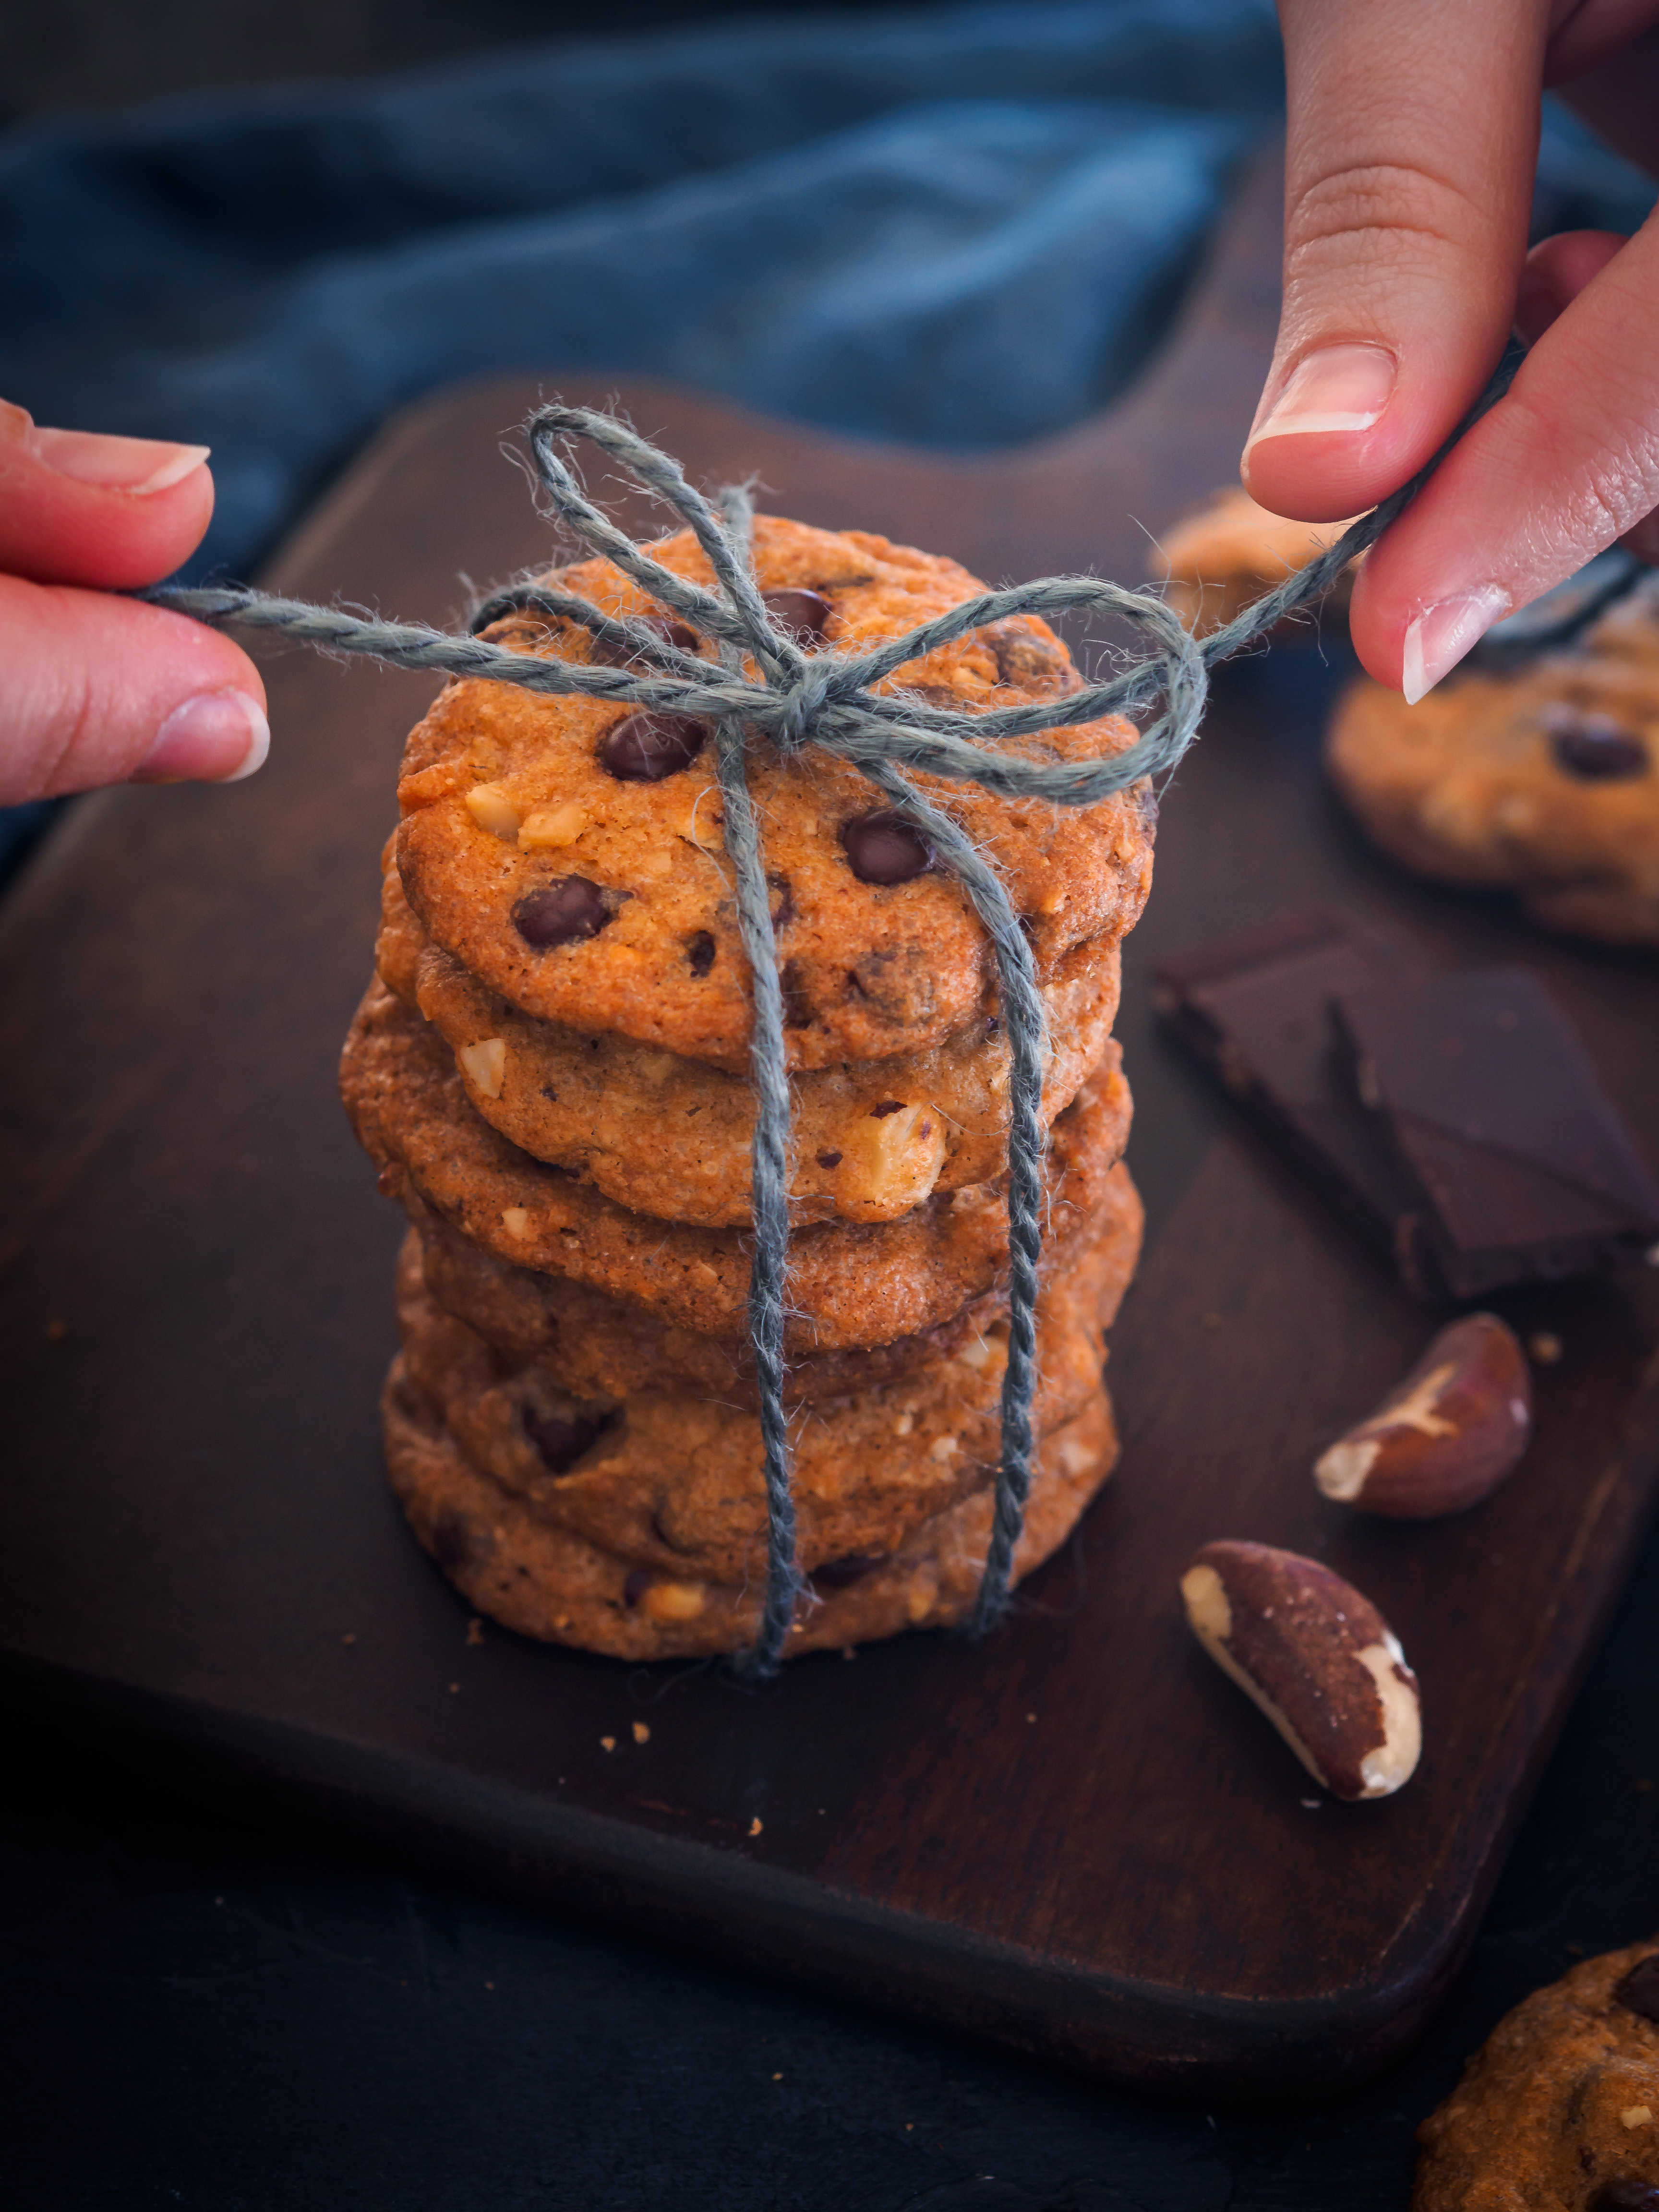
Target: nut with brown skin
(1444, 1436)
(1317, 1657)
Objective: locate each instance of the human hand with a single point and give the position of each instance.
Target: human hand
(1413, 136)
(99, 689)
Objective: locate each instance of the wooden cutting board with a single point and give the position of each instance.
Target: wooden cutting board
(1079, 1838)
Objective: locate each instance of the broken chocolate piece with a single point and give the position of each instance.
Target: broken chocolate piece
(1256, 1010)
(1489, 1105)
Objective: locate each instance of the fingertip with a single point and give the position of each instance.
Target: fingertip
(141, 467)
(1555, 272)
(82, 507)
(214, 736)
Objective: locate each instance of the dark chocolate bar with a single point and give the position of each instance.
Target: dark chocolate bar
(1486, 1099)
(1455, 1118)
(1256, 1009)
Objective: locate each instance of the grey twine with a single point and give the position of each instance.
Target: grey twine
(829, 699)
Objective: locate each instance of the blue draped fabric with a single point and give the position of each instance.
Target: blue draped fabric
(959, 227)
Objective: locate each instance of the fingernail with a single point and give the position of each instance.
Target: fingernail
(139, 465)
(1439, 637)
(218, 736)
(1340, 387)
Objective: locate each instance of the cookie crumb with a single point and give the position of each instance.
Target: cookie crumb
(1030, 1716)
(454, 1689)
(777, 2077)
(475, 1630)
(849, 1651)
(349, 1637)
(755, 1825)
(489, 1985)
(642, 1734)
(607, 1743)
(1545, 1346)
(57, 1331)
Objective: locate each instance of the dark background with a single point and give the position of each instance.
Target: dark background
(109, 53)
(210, 2006)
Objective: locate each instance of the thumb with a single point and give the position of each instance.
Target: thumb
(100, 690)
(1412, 139)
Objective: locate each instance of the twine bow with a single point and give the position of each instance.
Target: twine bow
(828, 699)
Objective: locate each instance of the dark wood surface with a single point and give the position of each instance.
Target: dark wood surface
(196, 1546)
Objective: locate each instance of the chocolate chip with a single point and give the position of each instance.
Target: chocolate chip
(636, 1586)
(699, 952)
(647, 747)
(1631, 2196)
(805, 615)
(561, 1438)
(828, 1159)
(1639, 1991)
(1594, 748)
(895, 982)
(884, 849)
(784, 912)
(839, 1574)
(562, 913)
(452, 1540)
(887, 1106)
(1024, 657)
(663, 626)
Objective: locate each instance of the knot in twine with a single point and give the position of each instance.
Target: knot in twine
(828, 699)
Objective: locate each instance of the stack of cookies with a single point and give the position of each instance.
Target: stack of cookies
(551, 1068)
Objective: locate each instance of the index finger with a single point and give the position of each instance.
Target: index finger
(77, 507)
(1414, 130)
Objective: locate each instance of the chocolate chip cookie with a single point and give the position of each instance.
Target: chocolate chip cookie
(1215, 561)
(535, 1577)
(850, 1285)
(1544, 780)
(569, 853)
(1560, 2110)
(595, 1346)
(674, 1481)
(665, 1134)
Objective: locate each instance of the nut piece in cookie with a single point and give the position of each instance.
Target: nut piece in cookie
(1317, 1657)
(1561, 2106)
(1444, 1436)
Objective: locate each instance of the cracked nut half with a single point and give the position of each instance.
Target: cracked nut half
(1444, 1436)
(1317, 1657)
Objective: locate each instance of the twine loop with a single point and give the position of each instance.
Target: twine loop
(829, 699)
